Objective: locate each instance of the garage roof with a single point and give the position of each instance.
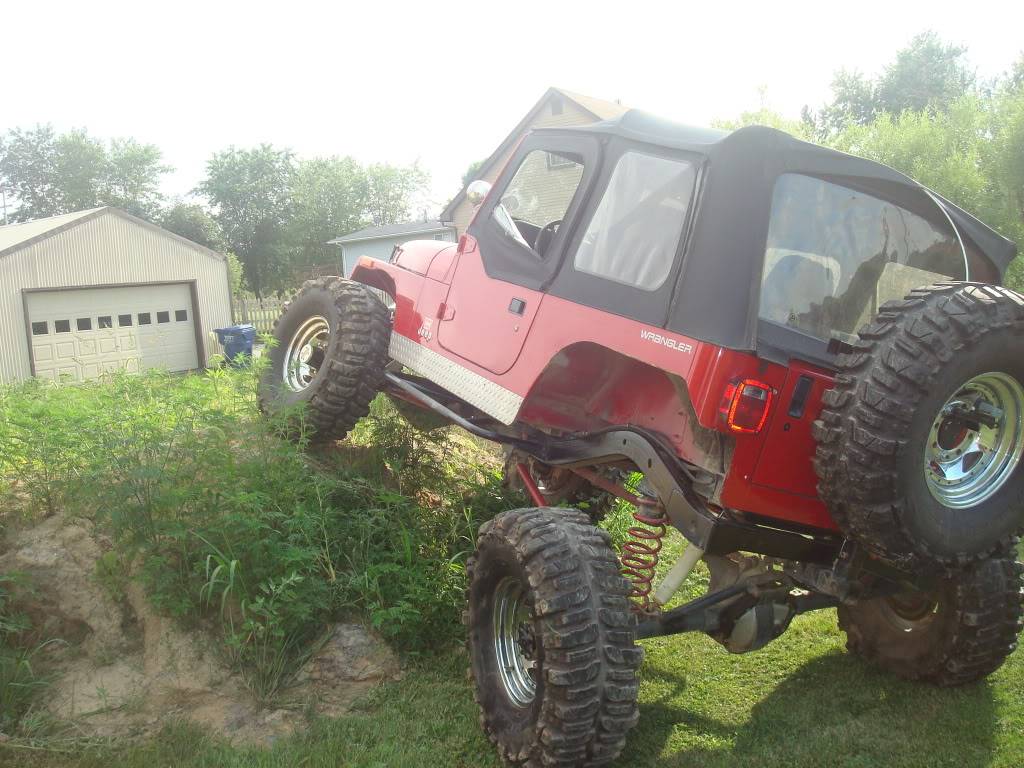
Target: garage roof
(14, 237)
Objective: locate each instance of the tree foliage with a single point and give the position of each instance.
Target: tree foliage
(132, 177)
(250, 190)
(277, 212)
(193, 222)
(49, 173)
(391, 191)
(472, 172)
(272, 210)
(928, 74)
(330, 196)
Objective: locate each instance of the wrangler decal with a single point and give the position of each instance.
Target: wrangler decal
(657, 338)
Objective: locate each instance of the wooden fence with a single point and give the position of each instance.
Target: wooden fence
(260, 313)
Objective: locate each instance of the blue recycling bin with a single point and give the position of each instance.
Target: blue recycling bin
(237, 340)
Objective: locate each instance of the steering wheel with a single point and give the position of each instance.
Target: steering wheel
(545, 235)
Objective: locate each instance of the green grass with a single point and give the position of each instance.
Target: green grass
(801, 701)
(371, 546)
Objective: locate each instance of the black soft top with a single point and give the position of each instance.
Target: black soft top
(721, 271)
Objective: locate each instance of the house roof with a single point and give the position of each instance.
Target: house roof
(14, 237)
(598, 108)
(391, 230)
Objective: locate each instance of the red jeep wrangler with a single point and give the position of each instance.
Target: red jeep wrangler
(806, 354)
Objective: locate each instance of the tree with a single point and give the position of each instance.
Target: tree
(50, 174)
(472, 172)
(853, 102)
(193, 222)
(391, 192)
(131, 179)
(250, 190)
(1005, 164)
(943, 151)
(1013, 82)
(928, 74)
(329, 197)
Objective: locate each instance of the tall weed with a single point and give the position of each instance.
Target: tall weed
(20, 681)
(230, 524)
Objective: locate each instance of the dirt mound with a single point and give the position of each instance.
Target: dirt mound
(122, 669)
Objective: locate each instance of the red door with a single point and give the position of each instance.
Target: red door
(485, 321)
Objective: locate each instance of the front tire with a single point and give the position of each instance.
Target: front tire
(552, 651)
(332, 347)
(959, 633)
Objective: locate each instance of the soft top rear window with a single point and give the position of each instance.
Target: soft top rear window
(835, 254)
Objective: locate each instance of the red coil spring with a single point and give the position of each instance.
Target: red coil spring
(640, 555)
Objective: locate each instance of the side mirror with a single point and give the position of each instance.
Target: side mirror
(477, 191)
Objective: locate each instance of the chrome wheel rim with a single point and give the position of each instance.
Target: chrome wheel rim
(909, 611)
(966, 463)
(515, 645)
(305, 353)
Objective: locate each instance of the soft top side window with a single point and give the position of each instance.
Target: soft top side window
(634, 233)
(537, 198)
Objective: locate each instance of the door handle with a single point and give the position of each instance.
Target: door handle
(517, 306)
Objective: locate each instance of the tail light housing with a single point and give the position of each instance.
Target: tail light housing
(745, 405)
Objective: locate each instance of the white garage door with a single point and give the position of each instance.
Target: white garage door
(83, 333)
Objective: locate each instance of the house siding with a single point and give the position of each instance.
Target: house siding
(105, 250)
(571, 114)
(381, 248)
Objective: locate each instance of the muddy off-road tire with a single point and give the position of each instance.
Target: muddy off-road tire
(959, 633)
(552, 652)
(902, 472)
(332, 346)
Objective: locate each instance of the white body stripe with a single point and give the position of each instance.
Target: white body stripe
(493, 399)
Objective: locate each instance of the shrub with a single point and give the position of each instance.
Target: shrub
(229, 523)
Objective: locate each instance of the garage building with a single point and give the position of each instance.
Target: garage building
(99, 290)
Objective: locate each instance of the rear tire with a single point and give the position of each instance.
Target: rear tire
(892, 478)
(959, 633)
(552, 649)
(332, 346)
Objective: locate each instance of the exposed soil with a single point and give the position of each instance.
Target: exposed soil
(122, 669)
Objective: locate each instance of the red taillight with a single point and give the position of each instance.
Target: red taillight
(745, 405)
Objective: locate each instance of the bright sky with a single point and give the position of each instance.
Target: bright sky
(441, 82)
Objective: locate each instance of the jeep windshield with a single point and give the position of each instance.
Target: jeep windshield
(835, 254)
